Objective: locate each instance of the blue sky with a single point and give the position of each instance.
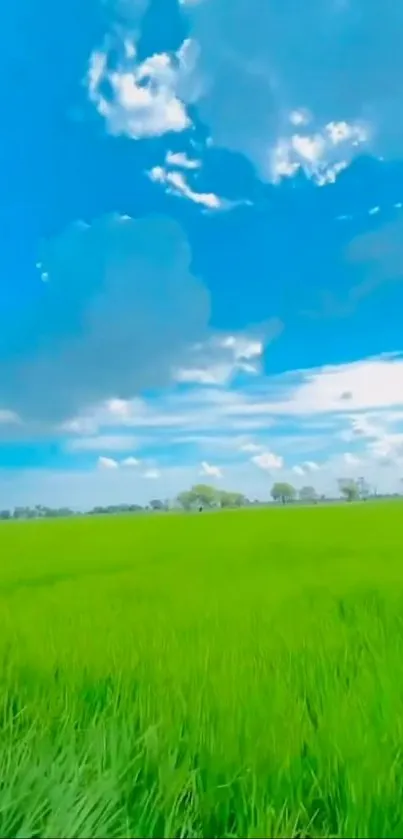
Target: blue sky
(201, 241)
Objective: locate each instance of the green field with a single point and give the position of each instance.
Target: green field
(232, 674)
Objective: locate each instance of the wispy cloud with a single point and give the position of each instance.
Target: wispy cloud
(299, 425)
(102, 442)
(176, 184)
(210, 471)
(9, 417)
(312, 400)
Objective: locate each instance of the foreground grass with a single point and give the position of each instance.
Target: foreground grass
(220, 675)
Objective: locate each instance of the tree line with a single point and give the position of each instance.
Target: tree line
(204, 495)
(201, 496)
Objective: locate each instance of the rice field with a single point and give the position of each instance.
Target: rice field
(224, 675)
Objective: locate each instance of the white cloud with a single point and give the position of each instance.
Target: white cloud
(311, 466)
(360, 426)
(286, 80)
(181, 160)
(217, 374)
(176, 185)
(142, 101)
(152, 474)
(298, 470)
(300, 117)
(84, 489)
(268, 461)
(261, 51)
(373, 383)
(105, 442)
(224, 356)
(130, 462)
(107, 463)
(318, 155)
(381, 442)
(250, 448)
(44, 275)
(351, 459)
(310, 400)
(210, 471)
(370, 383)
(119, 408)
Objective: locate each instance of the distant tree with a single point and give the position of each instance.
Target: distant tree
(5, 514)
(200, 495)
(21, 513)
(282, 491)
(157, 505)
(186, 499)
(231, 499)
(308, 494)
(205, 495)
(349, 488)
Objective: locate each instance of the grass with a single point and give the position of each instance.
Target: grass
(224, 675)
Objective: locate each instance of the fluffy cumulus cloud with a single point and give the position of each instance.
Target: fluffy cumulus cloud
(268, 461)
(111, 463)
(315, 82)
(119, 309)
(137, 99)
(321, 152)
